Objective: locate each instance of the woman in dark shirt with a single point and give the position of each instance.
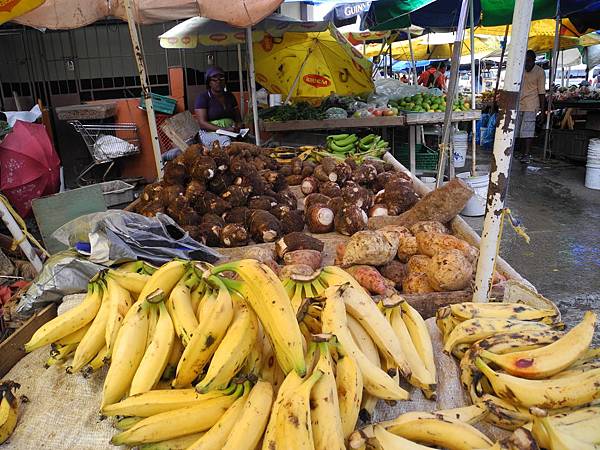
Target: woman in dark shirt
(216, 109)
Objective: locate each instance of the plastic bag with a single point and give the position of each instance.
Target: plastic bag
(395, 89)
(488, 133)
(377, 100)
(336, 113)
(111, 147)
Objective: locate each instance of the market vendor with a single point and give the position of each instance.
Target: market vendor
(532, 98)
(216, 109)
(433, 77)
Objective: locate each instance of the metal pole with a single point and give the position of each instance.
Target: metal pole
(474, 122)
(139, 59)
(412, 59)
(553, 66)
(503, 148)
(241, 77)
(452, 85)
(252, 84)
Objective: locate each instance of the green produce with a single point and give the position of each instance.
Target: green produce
(297, 111)
(349, 145)
(424, 102)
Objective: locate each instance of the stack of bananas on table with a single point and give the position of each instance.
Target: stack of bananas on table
(215, 357)
(9, 405)
(343, 145)
(516, 361)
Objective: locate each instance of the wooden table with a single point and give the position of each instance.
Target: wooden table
(334, 124)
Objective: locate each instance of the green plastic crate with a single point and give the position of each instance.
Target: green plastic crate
(161, 103)
(426, 159)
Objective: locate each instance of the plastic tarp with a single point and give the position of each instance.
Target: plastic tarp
(14, 8)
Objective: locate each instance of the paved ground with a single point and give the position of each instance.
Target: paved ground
(562, 218)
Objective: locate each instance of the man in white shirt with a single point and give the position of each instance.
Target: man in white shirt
(533, 93)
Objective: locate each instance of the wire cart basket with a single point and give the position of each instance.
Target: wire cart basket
(106, 143)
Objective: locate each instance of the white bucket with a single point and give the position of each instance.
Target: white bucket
(459, 154)
(429, 182)
(592, 176)
(475, 207)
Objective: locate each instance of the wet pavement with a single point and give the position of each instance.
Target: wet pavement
(562, 218)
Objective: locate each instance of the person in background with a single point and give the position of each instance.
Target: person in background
(433, 77)
(404, 78)
(532, 97)
(215, 109)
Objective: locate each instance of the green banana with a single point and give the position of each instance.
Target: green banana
(346, 141)
(341, 149)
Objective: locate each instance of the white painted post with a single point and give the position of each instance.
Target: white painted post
(553, 67)
(18, 235)
(503, 147)
(252, 84)
(139, 59)
(241, 78)
(473, 84)
(412, 58)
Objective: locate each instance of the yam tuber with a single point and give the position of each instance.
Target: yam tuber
(296, 165)
(297, 241)
(309, 185)
(418, 263)
(395, 271)
(449, 271)
(295, 270)
(263, 226)
(312, 199)
(358, 196)
(368, 247)
(432, 243)
(292, 221)
(350, 219)
(234, 235)
(263, 202)
(330, 189)
(369, 278)
(364, 174)
(308, 167)
(312, 258)
(319, 218)
(416, 283)
(428, 226)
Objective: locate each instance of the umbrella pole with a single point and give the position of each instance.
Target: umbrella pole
(252, 84)
(18, 235)
(474, 122)
(139, 59)
(553, 67)
(412, 59)
(502, 54)
(452, 85)
(297, 79)
(241, 78)
(503, 149)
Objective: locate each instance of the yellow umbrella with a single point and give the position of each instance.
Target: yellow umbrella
(9, 9)
(436, 46)
(311, 65)
(543, 27)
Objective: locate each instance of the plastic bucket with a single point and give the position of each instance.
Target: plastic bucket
(592, 176)
(475, 207)
(459, 154)
(429, 182)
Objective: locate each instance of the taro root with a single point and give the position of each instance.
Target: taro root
(330, 189)
(264, 227)
(169, 193)
(383, 178)
(399, 196)
(364, 174)
(152, 192)
(416, 283)
(428, 226)
(212, 219)
(297, 241)
(220, 157)
(378, 209)
(219, 183)
(186, 216)
(210, 233)
(277, 181)
(234, 235)
(343, 172)
(336, 203)
(292, 221)
(312, 258)
(308, 167)
(175, 172)
(418, 263)
(238, 166)
(328, 163)
(378, 164)
(190, 154)
(263, 202)
(151, 209)
(287, 197)
(211, 203)
(177, 204)
(309, 185)
(286, 170)
(449, 271)
(194, 190)
(238, 214)
(293, 180)
(193, 231)
(351, 163)
(280, 211)
(357, 196)
(350, 220)
(204, 168)
(320, 174)
(236, 195)
(296, 165)
(395, 271)
(257, 185)
(319, 218)
(311, 199)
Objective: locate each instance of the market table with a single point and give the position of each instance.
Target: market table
(573, 143)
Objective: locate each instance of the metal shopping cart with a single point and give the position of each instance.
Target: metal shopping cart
(106, 143)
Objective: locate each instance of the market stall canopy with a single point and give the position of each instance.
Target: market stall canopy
(435, 14)
(543, 27)
(344, 14)
(360, 37)
(29, 165)
(67, 14)
(202, 31)
(542, 44)
(436, 46)
(312, 65)
(10, 9)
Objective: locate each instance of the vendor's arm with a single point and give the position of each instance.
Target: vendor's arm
(202, 119)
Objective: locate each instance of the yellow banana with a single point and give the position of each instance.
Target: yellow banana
(291, 382)
(208, 293)
(471, 414)
(576, 369)
(128, 351)
(229, 357)
(215, 438)
(433, 429)
(375, 380)
(504, 414)
(206, 337)
(75, 337)
(445, 321)
(363, 340)
(268, 299)
(293, 426)
(583, 423)
(419, 336)
(349, 390)
(96, 363)
(179, 443)
(571, 391)
(253, 420)
(94, 339)
(126, 422)
(551, 359)
(497, 310)
(174, 358)
(367, 407)
(60, 353)
(325, 416)
(176, 423)
(473, 330)
(159, 401)
(180, 305)
(389, 441)
(70, 321)
(165, 278)
(119, 302)
(131, 281)
(557, 439)
(157, 354)
(9, 405)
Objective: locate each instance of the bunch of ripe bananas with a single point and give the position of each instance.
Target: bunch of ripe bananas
(199, 359)
(9, 405)
(515, 360)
